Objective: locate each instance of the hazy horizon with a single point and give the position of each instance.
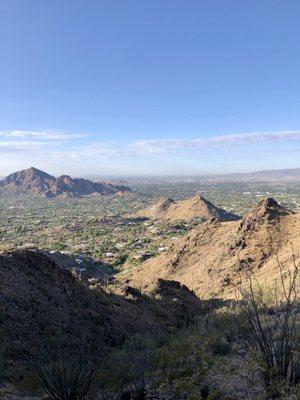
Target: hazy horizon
(154, 176)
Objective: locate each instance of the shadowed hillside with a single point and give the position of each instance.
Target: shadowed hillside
(41, 302)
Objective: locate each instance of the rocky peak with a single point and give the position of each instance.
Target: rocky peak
(266, 210)
(28, 173)
(186, 210)
(211, 211)
(270, 207)
(35, 171)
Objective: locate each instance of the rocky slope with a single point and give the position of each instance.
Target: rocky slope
(213, 255)
(195, 207)
(41, 302)
(40, 183)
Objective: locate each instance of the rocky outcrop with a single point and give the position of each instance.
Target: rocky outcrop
(265, 211)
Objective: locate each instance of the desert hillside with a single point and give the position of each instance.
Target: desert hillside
(195, 207)
(40, 301)
(215, 254)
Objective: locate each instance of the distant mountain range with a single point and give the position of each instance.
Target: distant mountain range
(287, 173)
(266, 175)
(37, 182)
(293, 173)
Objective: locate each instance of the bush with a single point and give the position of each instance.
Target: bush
(127, 370)
(68, 378)
(218, 345)
(272, 330)
(182, 364)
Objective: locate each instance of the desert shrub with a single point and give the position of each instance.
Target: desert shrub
(128, 369)
(272, 330)
(68, 377)
(174, 365)
(182, 364)
(218, 344)
(229, 321)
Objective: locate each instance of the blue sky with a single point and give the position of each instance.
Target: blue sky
(160, 87)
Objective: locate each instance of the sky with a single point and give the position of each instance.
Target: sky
(140, 87)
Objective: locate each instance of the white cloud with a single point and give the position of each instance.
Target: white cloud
(171, 146)
(159, 146)
(48, 144)
(43, 135)
(26, 147)
(19, 147)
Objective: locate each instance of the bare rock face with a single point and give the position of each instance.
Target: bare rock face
(40, 183)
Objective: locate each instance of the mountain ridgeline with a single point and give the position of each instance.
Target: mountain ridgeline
(37, 182)
(216, 253)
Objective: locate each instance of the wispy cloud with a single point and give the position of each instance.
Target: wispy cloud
(42, 135)
(159, 146)
(171, 146)
(22, 147)
(49, 144)
(35, 143)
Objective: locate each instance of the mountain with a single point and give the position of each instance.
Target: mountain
(41, 301)
(195, 207)
(292, 174)
(215, 254)
(30, 179)
(265, 175)
(40, 183)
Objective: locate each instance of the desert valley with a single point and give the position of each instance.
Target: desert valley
(145, 276)
(149, 200)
